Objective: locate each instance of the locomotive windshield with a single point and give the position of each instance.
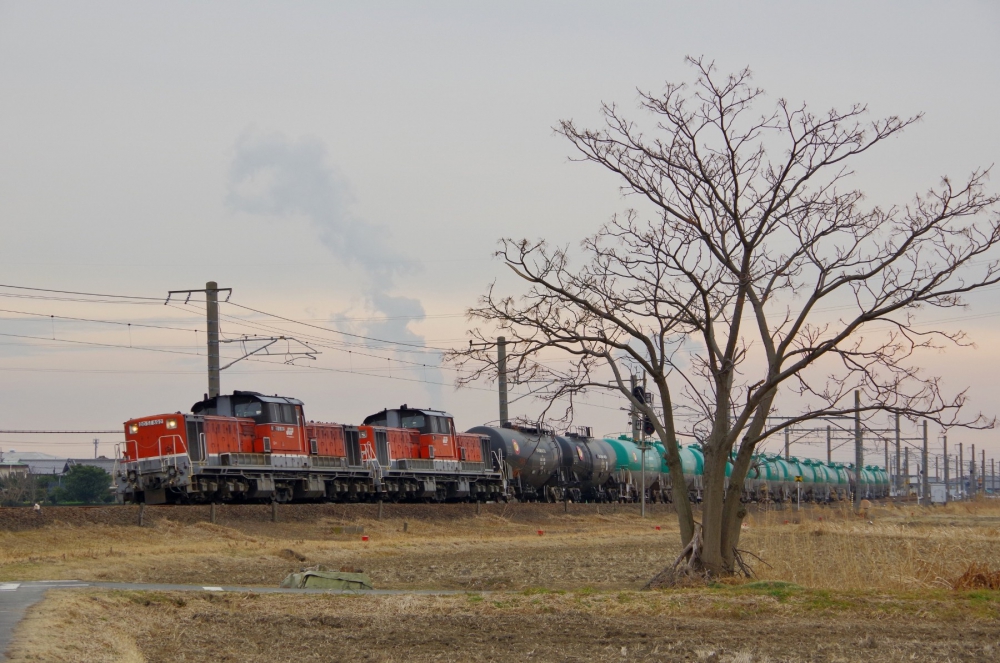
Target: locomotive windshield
(281, 413)
(266, 413)
(427, 424)
(440, 425)
(252, 410)
(412, 421)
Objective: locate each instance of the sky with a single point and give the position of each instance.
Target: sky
(352, 166)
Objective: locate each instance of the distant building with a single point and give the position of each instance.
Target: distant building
(37, 462)
(106, 464)
(12, 468)
(41, 463)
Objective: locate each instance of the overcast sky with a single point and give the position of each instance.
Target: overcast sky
(353, 164)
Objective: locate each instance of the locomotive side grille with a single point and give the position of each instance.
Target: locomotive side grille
(329, 461)
(484, 443)
(244, 459)
(353, 446)
(382, 448)
(195, 434)
(415, 464)
(473, 467)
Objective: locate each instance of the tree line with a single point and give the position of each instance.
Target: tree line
(82, 484)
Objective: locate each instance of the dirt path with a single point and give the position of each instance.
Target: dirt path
(724, 625)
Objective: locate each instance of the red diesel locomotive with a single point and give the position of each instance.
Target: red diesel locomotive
(248, 447)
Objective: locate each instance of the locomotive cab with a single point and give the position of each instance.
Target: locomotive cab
(278, 420)
(436, 430)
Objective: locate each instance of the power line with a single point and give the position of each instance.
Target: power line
(149, 300)
(105, 322)
(82, 294)
(337, 331)
(76, 299)
(57, 432)
(253, 324)
(31, 443)
(102, 345)
(239, 321)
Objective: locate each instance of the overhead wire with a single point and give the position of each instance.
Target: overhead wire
(105, 322)
(83, 294)
(338, 331)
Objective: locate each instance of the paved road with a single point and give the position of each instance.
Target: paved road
(17, 597)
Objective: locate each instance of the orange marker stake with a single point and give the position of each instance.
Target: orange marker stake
(657, 528)
(541, 532)
(364, 537)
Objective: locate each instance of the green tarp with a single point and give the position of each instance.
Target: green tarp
(327, 580)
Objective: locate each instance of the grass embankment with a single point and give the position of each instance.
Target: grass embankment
(762, 622)
(893, 549)
(874, 588)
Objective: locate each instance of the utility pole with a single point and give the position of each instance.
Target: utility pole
(502, 378)
(643, 453)
(828, 449)
(993, 475)
(961, 473)
(906, 472)
(859, 459)
(958, 477)
(886, 449)
(787, 443)
(212, 315)
(211, 291)
(899, 482)
(982, 471)
(972, 471)
(633, 413)
(945, 459)
(96, 442)
(925, 485)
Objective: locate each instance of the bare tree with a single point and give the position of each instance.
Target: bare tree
(751, 269)
(15, 488)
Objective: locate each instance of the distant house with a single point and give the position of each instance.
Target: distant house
(12, 469)
(41, 463)
(106, 464)
(49, 470)
(37, 462)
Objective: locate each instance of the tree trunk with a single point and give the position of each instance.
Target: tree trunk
(734, 510)
(678, 487)
(679, 491)
(713, 557)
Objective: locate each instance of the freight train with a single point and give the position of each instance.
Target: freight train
(249, 447)
(576, 466)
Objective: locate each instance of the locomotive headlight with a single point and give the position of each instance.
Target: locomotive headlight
(171, 424)
(133, 428)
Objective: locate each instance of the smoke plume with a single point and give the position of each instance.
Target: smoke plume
(275, 176)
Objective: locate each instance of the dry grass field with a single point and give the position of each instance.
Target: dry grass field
(878, 588)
